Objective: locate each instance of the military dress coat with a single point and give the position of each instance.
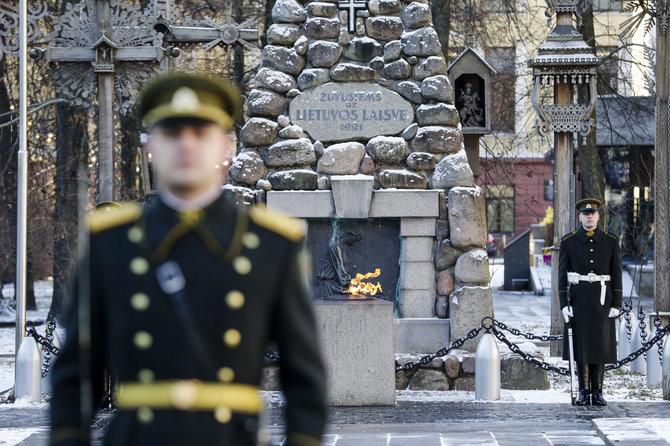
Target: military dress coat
(594, 333)
(245, 287)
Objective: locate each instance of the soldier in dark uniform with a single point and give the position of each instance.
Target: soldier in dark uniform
(590, 259)
(185, 295)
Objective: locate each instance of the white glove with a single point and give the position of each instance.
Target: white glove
(567, 313)
(614, 313)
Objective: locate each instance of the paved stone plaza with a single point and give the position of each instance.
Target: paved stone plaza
(435, 423)
(442, 418)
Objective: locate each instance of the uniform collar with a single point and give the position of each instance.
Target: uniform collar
(219, 219)
(195, 204)
(596, 236)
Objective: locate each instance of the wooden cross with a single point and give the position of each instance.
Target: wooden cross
(104, 54)
(351, 6)
(210, 33)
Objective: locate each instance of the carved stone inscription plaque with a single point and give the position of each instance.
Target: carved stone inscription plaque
(349, 111)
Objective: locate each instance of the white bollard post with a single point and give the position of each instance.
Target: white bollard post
(28, 370)
(623, 345)
(46, 380)
(654, 371)
(487, 369)
(666, 368)
(639, 365)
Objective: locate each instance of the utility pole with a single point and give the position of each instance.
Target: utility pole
(22, 187)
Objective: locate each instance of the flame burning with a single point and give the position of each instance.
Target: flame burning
(357, 287)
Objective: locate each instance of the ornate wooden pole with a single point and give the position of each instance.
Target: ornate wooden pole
(106, 116)
(661, 175)
(563, 61)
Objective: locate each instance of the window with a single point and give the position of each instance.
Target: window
(502, 88)
(548, 190)
(500, 208)
(607, 5)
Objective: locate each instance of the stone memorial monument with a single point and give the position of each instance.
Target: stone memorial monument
(355, 89)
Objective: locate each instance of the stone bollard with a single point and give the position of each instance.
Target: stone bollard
(666, 368)
(654, 371)
(46, 380)
(28, 371)
(623, 345)
(487, 369)
(639, 365)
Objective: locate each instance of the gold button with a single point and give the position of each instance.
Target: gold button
(143, 340)
(135, 234)
(145, 376)
(139, 265)
(591, 240)
(140, 301)
(145, 415)
(251, 240)
(242, 265)
(184, 394)
(591, 261)
(232, 338)
(235, 299)
(591, 250)
(223, 414)
(226, 374)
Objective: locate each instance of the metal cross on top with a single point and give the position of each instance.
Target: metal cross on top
(93, 39)
(351, 6)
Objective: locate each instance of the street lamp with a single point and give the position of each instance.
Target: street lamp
(563, 62)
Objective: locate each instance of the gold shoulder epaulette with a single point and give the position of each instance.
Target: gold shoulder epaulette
(291, 228)
(567, 236)
(614, 236)
(101, 220)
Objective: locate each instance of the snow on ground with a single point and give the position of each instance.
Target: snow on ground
(620, 385)
(12, 436)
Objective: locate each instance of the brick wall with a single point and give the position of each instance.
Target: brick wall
(528, 176)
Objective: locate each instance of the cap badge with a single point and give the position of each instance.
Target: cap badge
(588, 206)
(185, 99)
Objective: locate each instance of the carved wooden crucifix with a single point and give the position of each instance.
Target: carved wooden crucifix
(97, 36)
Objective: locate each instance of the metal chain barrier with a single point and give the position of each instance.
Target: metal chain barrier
(645, 347)
(46, 343)
(493, 326)
(516, 332)
(657, 323)
(51, 326)
(442, 352)
(627, 308)
(527, 357)
(643, 327)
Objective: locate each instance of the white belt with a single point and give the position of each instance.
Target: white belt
(575, 278)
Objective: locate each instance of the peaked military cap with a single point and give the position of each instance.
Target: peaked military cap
(184, 95)
(587, 205)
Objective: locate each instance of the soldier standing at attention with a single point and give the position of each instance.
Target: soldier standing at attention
(590, 259)
(185, 295)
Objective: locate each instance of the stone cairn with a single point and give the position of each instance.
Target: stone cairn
(395, 46)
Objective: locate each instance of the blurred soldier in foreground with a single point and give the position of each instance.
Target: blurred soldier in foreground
(185, 295)
(590, 260)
